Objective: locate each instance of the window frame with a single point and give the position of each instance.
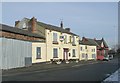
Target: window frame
(83, 55)
(55, 37)
(73, 53)
(55, 54)
(81, 48)
(38, 56)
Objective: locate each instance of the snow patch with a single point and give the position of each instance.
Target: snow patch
(114, 77)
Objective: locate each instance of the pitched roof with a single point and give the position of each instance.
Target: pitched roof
(88, 41)
(52, 27)
(18, 31)
(100, 41)
(56, 28)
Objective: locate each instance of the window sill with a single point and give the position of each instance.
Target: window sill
(73, 44)
(55, 42)
(73, 56)
(38, 58)
(55, 57)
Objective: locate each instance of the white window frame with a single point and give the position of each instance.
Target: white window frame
(73, 53)
(38, 52)
(55, 37)
(55, 54)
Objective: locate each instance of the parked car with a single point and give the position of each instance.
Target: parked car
(106, 58)
(110, 57)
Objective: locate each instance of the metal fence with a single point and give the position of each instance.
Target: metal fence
(15, 53)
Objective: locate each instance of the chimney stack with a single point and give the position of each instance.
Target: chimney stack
(84, 39)
(16, 23)
(33, 23)
(61, 24)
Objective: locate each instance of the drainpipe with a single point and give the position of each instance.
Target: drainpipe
(46, 44)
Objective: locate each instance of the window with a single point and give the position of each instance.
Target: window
(93, 56)
(38, 55)
(55, 37)
(55, 53)
(92, 50)
(70, 39)
(65, 40)
(81, 48)
(83, 55)
(73, 51)
(85, 47)
(73, 40)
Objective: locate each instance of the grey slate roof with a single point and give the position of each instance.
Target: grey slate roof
(52, 27)
(18, 31)
(56, 28)
(93, 42)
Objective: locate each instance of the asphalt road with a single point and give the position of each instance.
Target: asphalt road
(90, 72)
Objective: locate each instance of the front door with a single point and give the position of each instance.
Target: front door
(65, 53)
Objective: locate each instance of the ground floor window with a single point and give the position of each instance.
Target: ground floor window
(83, 56)
(55, 53)
(38, 53)
(73, 52)
(93, 56)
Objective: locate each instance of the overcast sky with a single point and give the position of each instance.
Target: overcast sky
(89, 19)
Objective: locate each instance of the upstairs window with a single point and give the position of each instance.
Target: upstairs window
(70, 39)
(55, 38)
(73, 40)
(92, 50)
(85, 47)
(38, 53)
(65, 40)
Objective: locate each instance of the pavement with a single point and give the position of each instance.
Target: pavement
(114, 77)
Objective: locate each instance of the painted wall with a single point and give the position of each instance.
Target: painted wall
(60, 45)
(89, 51)
(43, 52)
(15, 53)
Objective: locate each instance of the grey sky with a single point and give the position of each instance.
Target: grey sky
(89, 19)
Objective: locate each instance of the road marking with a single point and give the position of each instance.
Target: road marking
(83, 64)
(77, 65)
